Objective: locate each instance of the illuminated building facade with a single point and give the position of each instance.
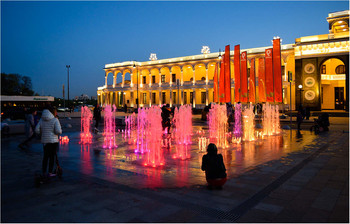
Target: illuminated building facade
(319, 65)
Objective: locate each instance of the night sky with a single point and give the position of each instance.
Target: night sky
(38, 39)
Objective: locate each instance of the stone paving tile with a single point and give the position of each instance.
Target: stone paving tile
(269, 207)
(159, 213)
(326, 199)
(283, 194)
(204, 219)
(288, 215)
(341, 211)
(127, 214)
(182, 215)
(315, 215)
(257, 214)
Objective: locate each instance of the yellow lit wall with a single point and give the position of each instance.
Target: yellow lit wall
(328, 93)
(328, 101)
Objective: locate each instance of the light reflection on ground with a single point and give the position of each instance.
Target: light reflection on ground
(122, 165)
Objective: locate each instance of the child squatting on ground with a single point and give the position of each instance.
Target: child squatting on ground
(49, 128)
(214, 167)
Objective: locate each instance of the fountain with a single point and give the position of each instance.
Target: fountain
(182, 152)
(183, 124)
(153, 136)
(109, 128)
(248, 123)
(130, 128)
(217, 117)
(271, 122)
(238, 124)
(203, 143)
(86, 120)
(276, 121)
(142, 120)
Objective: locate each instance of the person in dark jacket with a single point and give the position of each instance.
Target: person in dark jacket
(97, 116)
(300, 119)
(166, 117)
(125, 108)
(214, 167)
(29, 127)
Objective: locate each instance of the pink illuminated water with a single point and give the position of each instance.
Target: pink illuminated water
(153, 136)
(248, 123)
(183, 124)
(109, 127)
(182, 151)
(86, 120)
(130, 132)
(217, 117)
(141, 146)
(238, 121)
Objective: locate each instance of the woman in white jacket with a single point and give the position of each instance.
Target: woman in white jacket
(49, 128)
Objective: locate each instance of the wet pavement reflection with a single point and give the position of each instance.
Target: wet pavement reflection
(122, 165)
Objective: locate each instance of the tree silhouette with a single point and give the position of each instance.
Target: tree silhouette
(15, 84)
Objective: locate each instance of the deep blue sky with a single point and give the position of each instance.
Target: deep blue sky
(38, 39)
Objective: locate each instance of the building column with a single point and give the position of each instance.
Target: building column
(182, 97)
(182, 78)
(150, 98)
(160, 79)
(206, 96)
(206, 77)
(171, 97)
(131, 80)
(106, 79)
(150, 80)
(160, 97)
(114, 79)
(194, 98)
(131, 98)
(194, 76)
(123, 80)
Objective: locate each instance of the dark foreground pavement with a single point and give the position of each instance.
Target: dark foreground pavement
(309, 185)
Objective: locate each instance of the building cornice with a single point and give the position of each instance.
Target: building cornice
(188, 59)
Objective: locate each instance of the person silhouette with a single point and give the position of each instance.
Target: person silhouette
(214, 167)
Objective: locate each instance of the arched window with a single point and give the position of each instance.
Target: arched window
(203, 78)
(340, 69)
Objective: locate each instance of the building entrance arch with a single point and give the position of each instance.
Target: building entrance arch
(333, 92)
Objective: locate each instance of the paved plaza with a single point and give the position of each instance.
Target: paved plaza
(282, 178)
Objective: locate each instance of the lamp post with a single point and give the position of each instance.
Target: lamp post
(137, 87)
(67, 66)
(301, 90)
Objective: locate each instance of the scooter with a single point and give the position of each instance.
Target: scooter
(42, 179)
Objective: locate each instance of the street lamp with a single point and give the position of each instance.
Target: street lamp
(137, 87)
(220, 54)
(68, 66)
(301, 90)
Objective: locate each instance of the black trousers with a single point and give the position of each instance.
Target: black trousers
(97, 121)
(29, 139)
(50, 150)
